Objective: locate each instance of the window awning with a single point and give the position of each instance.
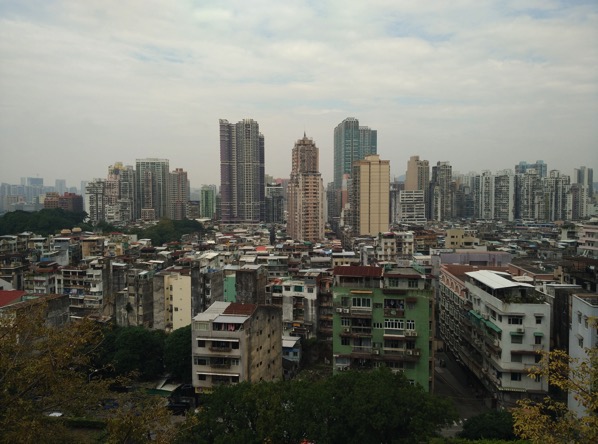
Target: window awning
(218, 339)
(475, 314)
(493, 326)
(217, 374)
(538, 333)
(516, 333)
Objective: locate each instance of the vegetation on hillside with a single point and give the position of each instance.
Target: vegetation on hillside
(43, 222)
(351, 407)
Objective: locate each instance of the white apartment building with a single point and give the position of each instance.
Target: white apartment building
(511, 324)
(583, 335)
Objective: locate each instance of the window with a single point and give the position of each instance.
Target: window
(287, 288)
(345, 341)
(413, 283)
(310, 289)
(579, 317)
(377, 324)
(393, 282)
(538, 340)
(515, 376)
(580, 342)
(201, 377)
(585, 321)
(515, 320)
(516, 339)
(200, 361)
(235, 345)
(537, 358)
(394, 324)
(410, 325)
(516, 358)
(398, 304)
(538, 319)
(201, 344)
(346, 322)
(362, 302)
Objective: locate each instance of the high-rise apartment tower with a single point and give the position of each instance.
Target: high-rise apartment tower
(305, 193)
(242, 172)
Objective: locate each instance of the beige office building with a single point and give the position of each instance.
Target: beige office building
(305, 193)
(370, 197)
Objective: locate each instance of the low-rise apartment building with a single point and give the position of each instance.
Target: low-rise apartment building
(496, 326)
(384, 319)
(234, 342)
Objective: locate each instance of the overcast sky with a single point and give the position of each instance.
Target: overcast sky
(482, 84)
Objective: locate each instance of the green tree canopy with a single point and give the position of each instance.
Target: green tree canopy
(43, 222)
(133, 350)
(489, 425)
(177, 354)
(351, 407)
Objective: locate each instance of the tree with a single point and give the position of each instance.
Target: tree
(177, 354)
(550, 421)
(351, 407)
(489, 425)
(44, 368)
(135, 350)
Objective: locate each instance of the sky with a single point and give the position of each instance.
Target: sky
(481, 84)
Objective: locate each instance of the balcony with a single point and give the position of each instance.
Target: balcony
(394, 312)
(362, 350)
(220, 364)
(220, 349)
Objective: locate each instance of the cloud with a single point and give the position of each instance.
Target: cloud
(98, 82)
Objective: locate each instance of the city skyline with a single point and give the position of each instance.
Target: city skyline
(93, 84)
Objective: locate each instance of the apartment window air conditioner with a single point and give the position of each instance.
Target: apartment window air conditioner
(339, 310)
(347, 330)
(409, 352)
(345, 310)
(376, 352)
(520, 330)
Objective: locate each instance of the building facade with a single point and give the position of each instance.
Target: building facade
(152, 176)
(242, 175)
(352, 142)
(384, 319)
(305, 191)
(370, 196)
(235, 342)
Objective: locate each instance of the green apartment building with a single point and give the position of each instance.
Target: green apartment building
(384, 318)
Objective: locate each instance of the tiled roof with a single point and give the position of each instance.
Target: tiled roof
(9, 296)
(236, 308)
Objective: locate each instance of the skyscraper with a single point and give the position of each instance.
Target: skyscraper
(585, 176)
(179, 194)
(208, 201)
(305, 219)
(242, 172)
(540, 167)
(370, 196)
(417, 178)
(351, 143)
(152, 188)
(441, 196)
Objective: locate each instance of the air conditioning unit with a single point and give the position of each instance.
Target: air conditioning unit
(415, 352)
(339, 310)
(347, 330)
(376, 352)
(485, 316)
(345, 310)
(409, 352)
(520, 330)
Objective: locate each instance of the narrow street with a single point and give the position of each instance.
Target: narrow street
(456, 383)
